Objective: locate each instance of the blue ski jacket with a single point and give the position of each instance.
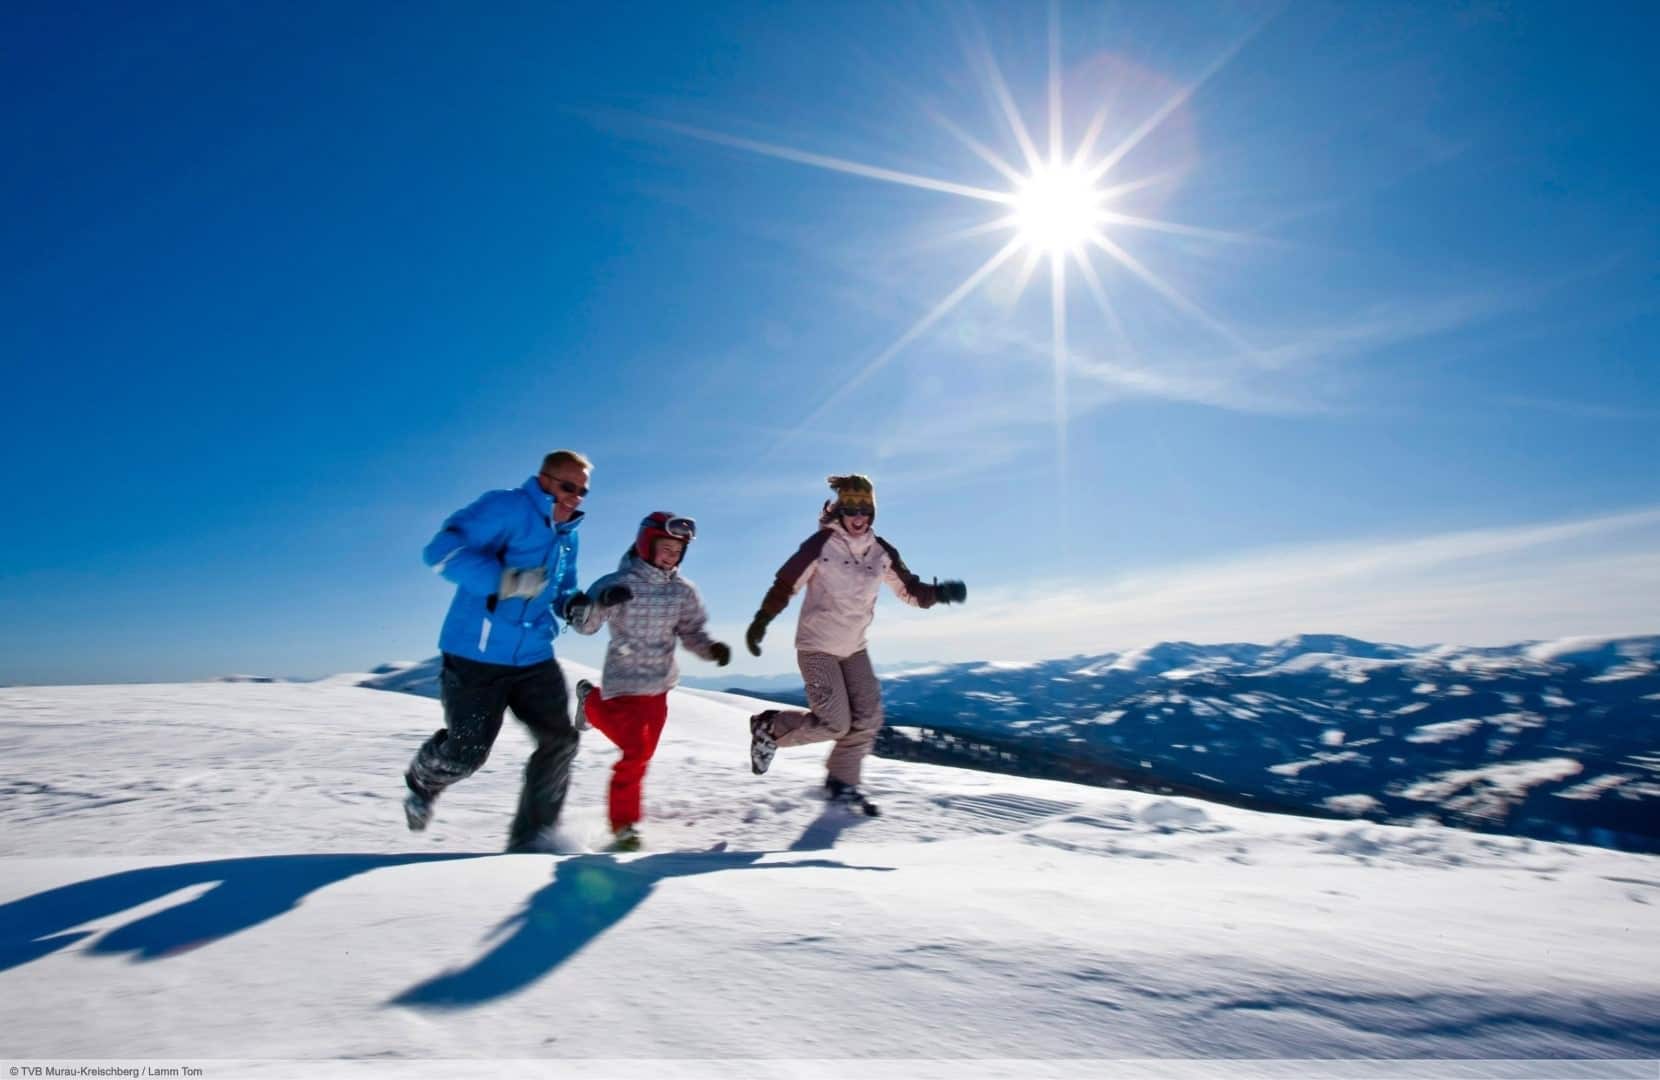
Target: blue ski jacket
(513, 527)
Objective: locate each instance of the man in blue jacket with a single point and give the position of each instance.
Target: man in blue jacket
(512, 557)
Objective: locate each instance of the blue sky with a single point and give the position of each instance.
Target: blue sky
(283, 287)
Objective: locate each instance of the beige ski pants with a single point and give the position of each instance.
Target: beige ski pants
(846, 704)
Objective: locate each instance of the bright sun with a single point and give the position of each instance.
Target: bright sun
(1057, 209)
(1057, 204)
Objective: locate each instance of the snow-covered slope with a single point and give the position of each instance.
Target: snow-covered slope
(220, 871)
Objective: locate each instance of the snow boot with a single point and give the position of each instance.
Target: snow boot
(626, 838)
(761, 743)
(849, 796)
(417, 806)
(583, 689)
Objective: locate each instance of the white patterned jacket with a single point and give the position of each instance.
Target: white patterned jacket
(665, 611)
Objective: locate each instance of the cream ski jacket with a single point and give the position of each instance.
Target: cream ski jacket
(842, 575)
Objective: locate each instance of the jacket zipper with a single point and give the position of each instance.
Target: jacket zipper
(524, 609)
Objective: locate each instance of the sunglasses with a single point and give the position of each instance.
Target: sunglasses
(681, 528)
(856, 510)
(566, 486)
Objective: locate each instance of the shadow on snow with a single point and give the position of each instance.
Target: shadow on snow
(245, 893)
(823, 832)
(589, 894)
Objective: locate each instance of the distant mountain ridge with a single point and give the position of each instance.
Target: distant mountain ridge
(1553, 739)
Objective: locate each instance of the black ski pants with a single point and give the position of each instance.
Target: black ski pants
(476, 696)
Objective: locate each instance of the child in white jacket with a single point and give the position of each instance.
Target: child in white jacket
(651, 609)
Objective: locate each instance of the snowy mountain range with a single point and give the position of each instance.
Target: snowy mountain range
(1558, 740)
(1555, 740)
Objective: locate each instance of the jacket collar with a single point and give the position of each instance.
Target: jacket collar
(631, 563)
(858, 545)
(544, 506)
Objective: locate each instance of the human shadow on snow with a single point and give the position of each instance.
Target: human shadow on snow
(245, 893)
(589, 894)
(823, 832)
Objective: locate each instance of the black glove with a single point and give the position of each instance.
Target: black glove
(757, 630)
(722, 652)
(950, 592)
(612, 595)
(576, 608)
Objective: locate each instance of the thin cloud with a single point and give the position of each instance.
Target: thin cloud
(1295, 374)
(1598, 575)
(1308, 371)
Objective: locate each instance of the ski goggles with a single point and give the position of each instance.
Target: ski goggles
(681, 528)
(855, 510)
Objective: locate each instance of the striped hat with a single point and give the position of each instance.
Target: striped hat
(853, 490)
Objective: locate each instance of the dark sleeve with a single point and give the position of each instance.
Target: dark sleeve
(792, 573)
(906, 585)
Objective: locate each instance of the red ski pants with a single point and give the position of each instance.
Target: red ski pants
(634, 722)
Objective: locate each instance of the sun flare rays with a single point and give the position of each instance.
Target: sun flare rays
(1059, 205)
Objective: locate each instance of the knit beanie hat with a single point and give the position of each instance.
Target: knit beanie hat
(853, 490)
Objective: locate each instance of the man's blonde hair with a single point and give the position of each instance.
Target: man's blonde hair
(566, 457)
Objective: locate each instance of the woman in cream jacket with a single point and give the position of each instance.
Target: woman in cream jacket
(841, 566)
